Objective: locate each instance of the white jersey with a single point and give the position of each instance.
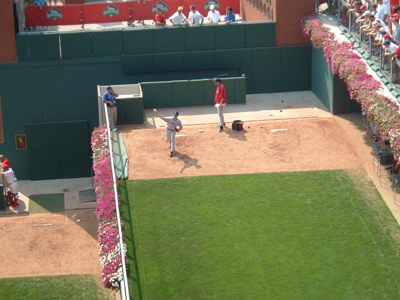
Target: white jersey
(172, 124)
(9, 176)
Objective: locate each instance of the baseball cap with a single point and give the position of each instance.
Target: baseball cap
(387, 36)
(386, 43)
(109, 87)
(176, 113)
(366, 13)
(180, 8)
(212, 6)
(363, 7)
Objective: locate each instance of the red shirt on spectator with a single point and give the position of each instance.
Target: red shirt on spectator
(221, 93)
(160, 19)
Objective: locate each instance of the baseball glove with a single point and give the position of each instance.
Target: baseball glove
(176, 129)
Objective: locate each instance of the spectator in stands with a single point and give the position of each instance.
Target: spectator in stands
(364, 18)
(396, 69)
(356, 10)
(382, 11)
(344, 11)
(109, 99)
(390, 51)
(396, 30)
(374, 8)
(230, 16)
(159, 18)
(195, 18)
(178, 18)
(368, 27)
(213, 15)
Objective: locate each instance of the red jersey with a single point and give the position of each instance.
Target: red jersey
(220, 93)
(160, 19)
(398, 53)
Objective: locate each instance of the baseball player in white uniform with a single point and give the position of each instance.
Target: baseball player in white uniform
(12, 187)
(172, 127)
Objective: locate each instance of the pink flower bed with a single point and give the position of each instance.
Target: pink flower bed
(362, 87)
(110, 254)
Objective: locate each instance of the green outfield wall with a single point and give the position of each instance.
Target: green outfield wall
(329, 88)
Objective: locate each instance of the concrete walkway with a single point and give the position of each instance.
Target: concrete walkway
(70, 188)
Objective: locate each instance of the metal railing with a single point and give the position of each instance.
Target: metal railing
(124, 282)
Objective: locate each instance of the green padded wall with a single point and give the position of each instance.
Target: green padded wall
(76, 44)
(157, 94)
(120, 111)
(138, 41)
(106, 43)
(266, 70)
(341, 97)
(198, 60)
(187, 93)
(169, 39)
(227, 59)
(44, 46)
(141, 63)
(246, 68)
(43, 158)
(22, 46)
(168, 62)
(322, 79)
(240, 90)
(232, 36)
(74, 149)
(296, 68)
(134, 111)
(260, 34)
(199, 38)
(209, 92)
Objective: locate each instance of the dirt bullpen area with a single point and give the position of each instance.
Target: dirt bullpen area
(287, 145)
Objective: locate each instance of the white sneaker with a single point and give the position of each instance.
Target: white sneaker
(114, 129)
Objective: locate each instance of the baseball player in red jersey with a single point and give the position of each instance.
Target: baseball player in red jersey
(220, 100)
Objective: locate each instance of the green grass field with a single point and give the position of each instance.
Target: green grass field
(65, 287)
(298, 235)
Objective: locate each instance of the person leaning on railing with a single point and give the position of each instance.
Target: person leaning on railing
(159, 18)
(395, 29)
(109, 99)
(396, 68)
(390, 51)
(229, 16)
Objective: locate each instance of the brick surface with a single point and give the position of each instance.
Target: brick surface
(287, 14)
(8, 49)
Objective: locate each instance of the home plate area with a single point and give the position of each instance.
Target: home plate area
(291, 145)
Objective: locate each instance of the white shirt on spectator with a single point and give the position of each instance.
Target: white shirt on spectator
(388, 10)
(195, 17)
(382, 23)
(178, 18)
(214, 16)
(392, 48)
(382, 11)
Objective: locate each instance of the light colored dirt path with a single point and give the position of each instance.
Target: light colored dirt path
(49, 244)
(307, 144)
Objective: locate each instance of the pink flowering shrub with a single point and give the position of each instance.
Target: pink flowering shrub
(362, 87)
(108, 237)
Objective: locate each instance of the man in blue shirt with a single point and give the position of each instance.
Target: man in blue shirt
(230, 16)
(109, 99)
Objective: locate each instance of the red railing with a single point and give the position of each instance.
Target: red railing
(117, 11)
